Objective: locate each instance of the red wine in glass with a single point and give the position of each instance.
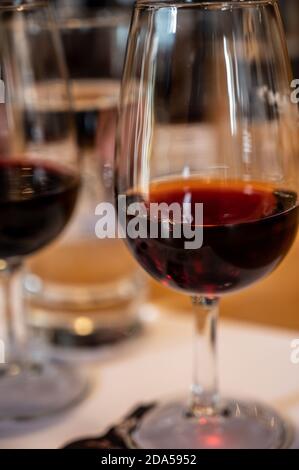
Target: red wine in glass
(36, 202)
(247, 230)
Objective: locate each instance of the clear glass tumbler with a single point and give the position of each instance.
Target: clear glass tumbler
(39, 187)
(83, 291)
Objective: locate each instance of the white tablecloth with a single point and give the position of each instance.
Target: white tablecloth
(254, 363)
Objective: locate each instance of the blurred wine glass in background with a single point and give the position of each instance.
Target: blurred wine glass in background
(212, 140)
(84, 291)
(39, 185)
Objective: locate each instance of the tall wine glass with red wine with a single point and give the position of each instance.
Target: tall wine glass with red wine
(39, 183)
(207, 185)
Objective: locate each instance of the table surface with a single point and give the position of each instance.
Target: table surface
(254, 363)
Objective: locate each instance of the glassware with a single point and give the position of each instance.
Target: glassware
(206, 118)
(290, 15)
(83, 291)
(39, 183)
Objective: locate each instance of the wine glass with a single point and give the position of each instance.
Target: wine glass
(39, 183)
(211, 137)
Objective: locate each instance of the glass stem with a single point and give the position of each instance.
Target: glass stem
(12, 318)
(204, 391)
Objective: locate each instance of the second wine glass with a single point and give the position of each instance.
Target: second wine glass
(39, 184)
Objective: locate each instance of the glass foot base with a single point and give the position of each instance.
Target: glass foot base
(38, 390)
(238, 425)
(67, 338)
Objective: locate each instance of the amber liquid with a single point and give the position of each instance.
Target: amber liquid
(248, 229)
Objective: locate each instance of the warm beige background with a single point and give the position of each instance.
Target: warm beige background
(273, 301)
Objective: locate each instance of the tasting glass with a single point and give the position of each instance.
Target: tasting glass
(84, 291)
(205, 106)
(40, 180)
